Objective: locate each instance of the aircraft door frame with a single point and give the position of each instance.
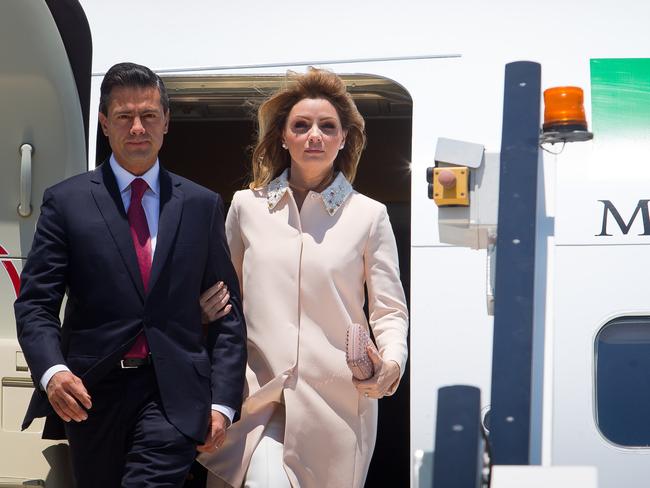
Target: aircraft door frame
(43, 108)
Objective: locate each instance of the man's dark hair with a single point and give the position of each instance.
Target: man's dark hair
(130, 75)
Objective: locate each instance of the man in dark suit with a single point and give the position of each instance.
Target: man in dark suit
(132, 373)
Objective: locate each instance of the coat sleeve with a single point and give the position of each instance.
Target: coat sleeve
(387, 309)
(235, 240)
(226, 339)
(43, 284)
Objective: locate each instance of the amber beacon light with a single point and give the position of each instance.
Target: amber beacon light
(564, 116)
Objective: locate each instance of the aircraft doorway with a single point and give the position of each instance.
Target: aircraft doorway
(209, 141)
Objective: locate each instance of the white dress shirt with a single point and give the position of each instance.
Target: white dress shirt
(151, 206)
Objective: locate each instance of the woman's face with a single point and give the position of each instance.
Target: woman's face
(313, 134)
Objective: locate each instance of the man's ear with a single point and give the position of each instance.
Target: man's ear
(166, 122)
(103, 121)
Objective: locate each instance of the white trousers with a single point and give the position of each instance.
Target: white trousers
(266, 468)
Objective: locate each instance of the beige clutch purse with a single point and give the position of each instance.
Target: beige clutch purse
(356, 354)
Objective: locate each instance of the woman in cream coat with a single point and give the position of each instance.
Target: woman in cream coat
(304, 243)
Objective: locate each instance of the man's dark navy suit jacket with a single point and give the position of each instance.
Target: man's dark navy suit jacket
(83, 247)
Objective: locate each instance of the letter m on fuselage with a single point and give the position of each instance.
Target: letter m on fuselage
(609, 208)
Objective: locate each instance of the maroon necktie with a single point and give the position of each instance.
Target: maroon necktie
(142, 243)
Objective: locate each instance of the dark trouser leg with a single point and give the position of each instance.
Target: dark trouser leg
(158, 455)
(97, 444)
(127, 440)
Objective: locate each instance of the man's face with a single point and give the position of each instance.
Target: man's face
(135, 126)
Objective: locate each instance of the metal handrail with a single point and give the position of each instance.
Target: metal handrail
(25, 202)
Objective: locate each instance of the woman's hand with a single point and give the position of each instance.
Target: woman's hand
(384, 382)
(214, 303)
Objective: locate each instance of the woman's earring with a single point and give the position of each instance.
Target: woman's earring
(342, 146)
(284, 145)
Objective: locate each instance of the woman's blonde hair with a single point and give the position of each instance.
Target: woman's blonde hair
(270, 158)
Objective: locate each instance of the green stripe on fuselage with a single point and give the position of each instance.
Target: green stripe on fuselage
(620, 98)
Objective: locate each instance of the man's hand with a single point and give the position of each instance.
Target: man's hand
(67, 394)
(214, 303)
(216, 434)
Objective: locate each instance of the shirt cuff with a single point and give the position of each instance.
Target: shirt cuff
(47, 376)
(227, 411)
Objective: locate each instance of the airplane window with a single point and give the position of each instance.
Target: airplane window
(623, 381)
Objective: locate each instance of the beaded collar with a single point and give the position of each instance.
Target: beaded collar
(333, 196)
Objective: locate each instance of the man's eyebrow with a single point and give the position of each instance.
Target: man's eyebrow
(130, 111)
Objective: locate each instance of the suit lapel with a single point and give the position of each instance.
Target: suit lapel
(107, 197)
(171, 208)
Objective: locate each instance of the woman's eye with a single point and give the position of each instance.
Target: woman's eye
(329, 129)
(300, 126)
